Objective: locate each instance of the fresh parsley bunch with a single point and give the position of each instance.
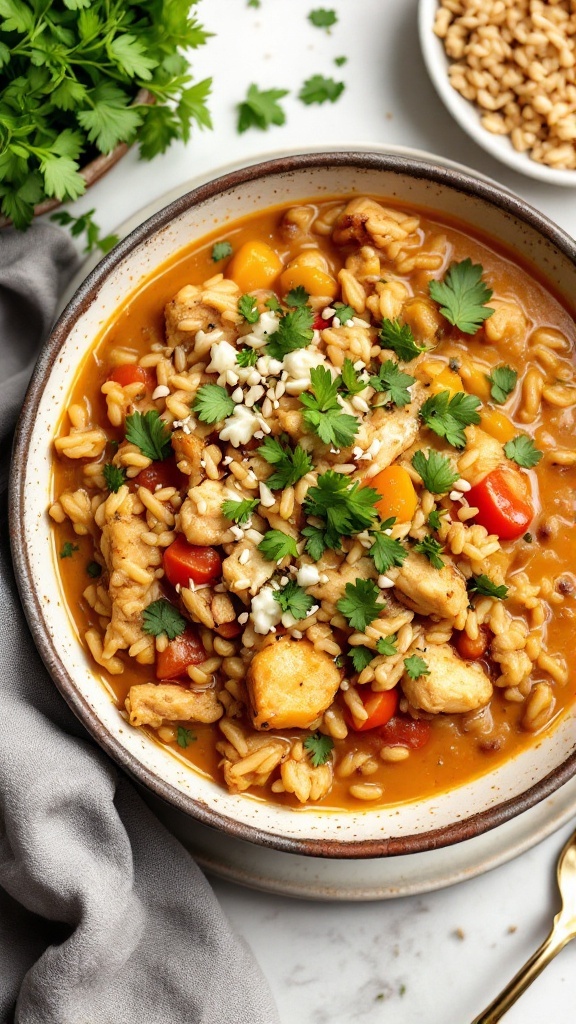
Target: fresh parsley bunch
(69, 74)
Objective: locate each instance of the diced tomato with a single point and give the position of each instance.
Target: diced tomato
(319, 323)
(181, 652)
(184, 562)
(380, 708)
(503, 503)
(130, 373)
(473, 649)
(406, 732)
(161, 474)
(229, 630)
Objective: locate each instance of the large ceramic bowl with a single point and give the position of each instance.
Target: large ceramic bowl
(437, 821)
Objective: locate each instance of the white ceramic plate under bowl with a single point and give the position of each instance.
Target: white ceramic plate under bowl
(467, 114)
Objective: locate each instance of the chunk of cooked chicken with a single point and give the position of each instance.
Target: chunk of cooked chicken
(290, 684)
(440, 593)
(188, 451)
(453, 685)
(394, 430)
(201, 519)
(488, 451)
(187, 313)
(306, 781)
(155, 703)
(257, 569)
(333, 588)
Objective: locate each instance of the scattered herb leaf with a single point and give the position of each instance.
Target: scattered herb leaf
(94, 570)
(319, 747)
(485, 586)
(68, 549)
(247, 357)
(462, 296)
(447, 415)
(523, 451)
(344, 314)
(212, 403)
(248, 308)
(261, 109)
(416, 667)
(85, 224)
(184, 737)
(400, 339)
(323, 18)
(319, 89)
(361, 605)
(386, 551)
(349, 382)
(294, 599)
(240, 511)
(430, 547)
(276, 544)
(297, 297)
(150, 434)
(114, 476)
(339, 61)
(161, 617)
(393, 383)
(435, 470)
(435, 518)
(387, 645)
(361, 657)
(323, 412)
(220, 250)
(344, 509)
(502, 382)
(294, 332)
(291, 464)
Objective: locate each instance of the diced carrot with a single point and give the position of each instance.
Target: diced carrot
(399, 497)
(406, 732)
(254, 266)
(446, 380)
(181, 652)
(473, 649)
(475, 380)
(380, 707)
(497, 424)
(315, 281)
(184, 562)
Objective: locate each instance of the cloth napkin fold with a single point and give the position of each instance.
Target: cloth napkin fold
(104, 916)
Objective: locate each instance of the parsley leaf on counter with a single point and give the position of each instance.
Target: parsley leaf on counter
(393, 383)
(240, 511)
(248, 308)
(68, 549)
(297, 297)
(150, 434)
(294, 599)
(247, 357)
(161, 617)
(447, 416)
(430, 547)
(184, 737)
(260, 109)
(323, 18)
(435, 471)
(323, 412)
(212, 403)
(319, 747)
(344, 510)
(276, 544)
(387, 645)
(294, 332)
(349, 381)
(319, 89)
(416, 667)
(361, 657)
(291, 464)
(386, 551)
(361, 604)
(523, 451)
(85, 224)
(400, 339)
(114, 476)
(220, 250)
(502, 382)
(462, 296)
(484, 585)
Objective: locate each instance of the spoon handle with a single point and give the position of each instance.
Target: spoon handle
(552, 945)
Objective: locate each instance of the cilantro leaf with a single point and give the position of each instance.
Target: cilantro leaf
(483, 585)
(260, 109)
(247, 357)
(248, 308)
(294, 332)
(400, 339)
(129, 54)
(240, 511)
(349, 382)
(68, 549)
(114, 476)
(386, 645)
(212, 403)
(320, 17)
(523, 451)
(502, 382)
(344, 314)
(345, 510)
(94, 570)
(273, 304)
(220, 250)
(323, 412)
(447, 416)
(184, 737)
(297, 297)
(294, 599)
(319, 747)
(435, 471)
(291, 464)
(150, 434)
(462, 296)
(276, 545)
(319, 89)
(361, 604)
(161, 617)
(416, 667)
(435, 518)
(430, 547)
(393, 383)
(361, 657)
(385, 551)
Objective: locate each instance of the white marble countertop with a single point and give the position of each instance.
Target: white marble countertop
(431, 959)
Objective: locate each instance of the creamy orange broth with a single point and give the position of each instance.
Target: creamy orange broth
(452, 756)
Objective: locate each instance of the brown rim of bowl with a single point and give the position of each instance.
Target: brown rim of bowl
(415, 168)
(96, 169)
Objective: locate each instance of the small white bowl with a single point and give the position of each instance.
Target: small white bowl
(467, 114)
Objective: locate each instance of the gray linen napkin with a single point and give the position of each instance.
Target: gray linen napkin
(104, 917)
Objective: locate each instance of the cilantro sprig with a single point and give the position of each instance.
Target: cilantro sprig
(435, 471)
(343, 509)
(247, 357)
(462, 296)
(294, 599)
(416, 666)
(221, 251)
(276, 545)
(150, 434)
(361, 657)
(361, 605)
(291, 463)
(349, 383)
(320, 17)
(323, 412)
(431, 548)
(502, 382)
(68, 549)
(212, 403)
(319, 747)
(523, 451)
(248, 308)
(393, 383)
(161, 617)
(447, 415)
(400, 339)
(294, 332)
(240, 511)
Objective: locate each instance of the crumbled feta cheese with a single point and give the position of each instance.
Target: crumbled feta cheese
(298, 365)
(267, 325)
(160, 392)
(222, 357)
(267, 499)
(227, 460)
(313, 610)
(240, 426)
(265, 611)
(259, 434)
(243, 618)
(253, 395)
(308, 576)
(201, 337)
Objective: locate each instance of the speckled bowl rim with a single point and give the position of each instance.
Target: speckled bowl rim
(459, 831)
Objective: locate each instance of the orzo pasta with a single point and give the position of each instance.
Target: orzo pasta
(314, 505)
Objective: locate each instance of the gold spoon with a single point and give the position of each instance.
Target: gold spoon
(563, 930)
